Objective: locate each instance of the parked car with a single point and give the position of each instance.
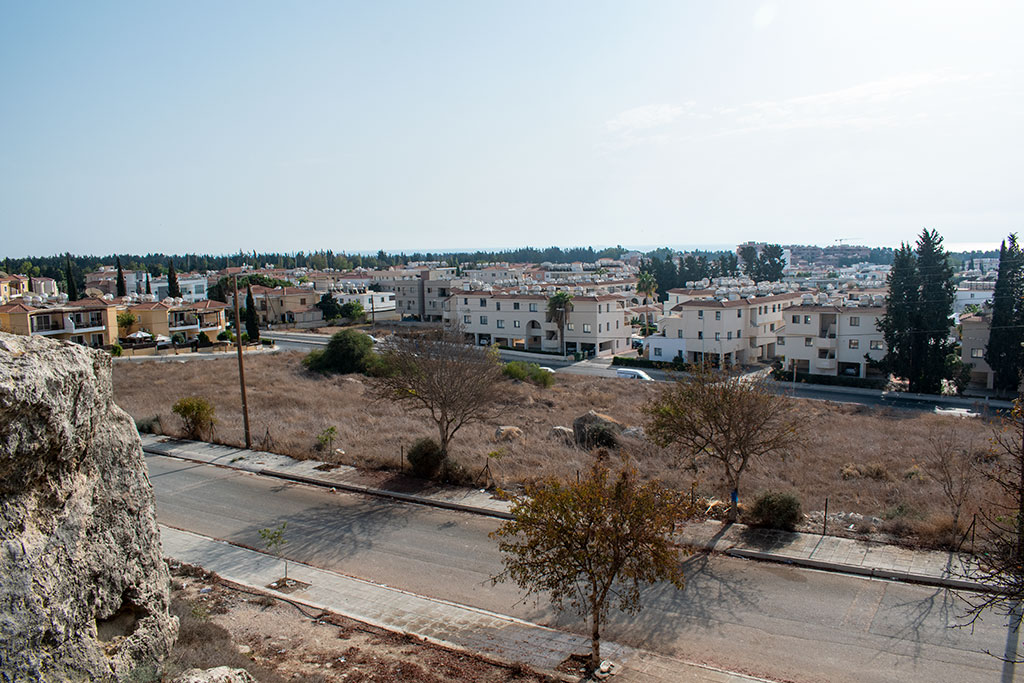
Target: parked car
(632, 373)
(545, 369)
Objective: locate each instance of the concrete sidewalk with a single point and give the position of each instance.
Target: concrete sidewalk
(494, 635)
(829, 553)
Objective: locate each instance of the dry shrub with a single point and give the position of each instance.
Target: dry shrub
(936, 531)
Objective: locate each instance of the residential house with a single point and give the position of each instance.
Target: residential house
(90, 322)
(288, 305)
(192, 285)
(167, 318)
(974, 331)
(420, 294)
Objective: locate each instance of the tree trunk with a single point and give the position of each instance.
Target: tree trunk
(595, 636)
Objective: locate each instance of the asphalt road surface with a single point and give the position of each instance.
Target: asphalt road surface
(763, 619)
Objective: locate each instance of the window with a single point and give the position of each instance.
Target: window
(796, 320)
(586, 328)
(497, 305)
(876, 345)
(483, 320)
(700, 335)
(570, 326)
(515, 323)
(739, 334)
(657, 350)
(718, 336)
(466, 319)
(465, 300)
(718, 315)
(533, 308)
(500, 324)
(854, 343)
(739, 312)
(483, 303)
(771, 328)
(429, 290)
(616, 324)
(807, 320)
(808, 341)
(515, 305)
(679, 333)
(854, 321)
(302, 302)
(781, 341)
(977, 353)
(728, 335)
(700, 315)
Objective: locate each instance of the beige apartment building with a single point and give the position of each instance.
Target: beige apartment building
(722, 331)
(167, 318)
(90, 322)
(596, 324)
(281, 304)
(974, 331)
(420, 294)
(832, 339)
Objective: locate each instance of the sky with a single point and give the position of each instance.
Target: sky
(210, 127)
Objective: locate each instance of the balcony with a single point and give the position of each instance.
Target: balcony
(825, 363)
(826, 343)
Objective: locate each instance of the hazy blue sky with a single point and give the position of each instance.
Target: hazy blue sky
(215, 126)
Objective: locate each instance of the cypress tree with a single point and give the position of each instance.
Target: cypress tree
(172, 280)
(72, 287)
(935, 307)
(1003, 353)
(252, 325)
(900, 319)
(122, 289)
(149, 290)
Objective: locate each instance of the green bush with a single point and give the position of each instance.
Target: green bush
(425, 458)
(197, 416)
(203, 339)
(527, 372)
(116, 350)
(348, 351)
(178, 338)
(224, 336)
(776, 511)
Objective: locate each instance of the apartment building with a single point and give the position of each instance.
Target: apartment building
(281, 304)
(168, 318)
(496, 274)
(832, 338)
(974, 331)
(193, 287)
(105, 280)
(420, 294)
(596, 324)
(721, 331)
(90, 322)
(973, 292)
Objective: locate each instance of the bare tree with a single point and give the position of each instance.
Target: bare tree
(593, 543)
(951, 464)
(453, 382)
(730, 419)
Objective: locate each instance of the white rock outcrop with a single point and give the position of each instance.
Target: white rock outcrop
(83, 588)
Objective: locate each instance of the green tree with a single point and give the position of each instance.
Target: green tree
(125, 320)
(252, 323)
(935, 306)
(274, 541)
(729, 419)
(347, 352)
(173, 290)
(646, 285)
(770, 263)
(353, 310)
(329, 306)
(592, 544)
(559, 308)
(122, 289)
(149, 289)
(197, 416)
(1004, 353)
(748, 255)
(69, 275)
(901, 318)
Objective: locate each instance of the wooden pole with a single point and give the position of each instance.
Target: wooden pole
(241, 367)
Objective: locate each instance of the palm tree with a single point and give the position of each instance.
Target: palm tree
(559, 307)
(648, 287)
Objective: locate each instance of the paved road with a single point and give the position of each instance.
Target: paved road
(763, 619)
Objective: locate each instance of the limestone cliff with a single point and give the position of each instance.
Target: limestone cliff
(83, 589)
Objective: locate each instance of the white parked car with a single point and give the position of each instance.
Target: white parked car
(632, 373)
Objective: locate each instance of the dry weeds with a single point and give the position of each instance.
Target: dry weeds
(862, 459)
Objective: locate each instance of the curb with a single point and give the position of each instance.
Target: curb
(871, 572)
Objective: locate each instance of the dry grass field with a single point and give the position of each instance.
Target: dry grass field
(864, 460)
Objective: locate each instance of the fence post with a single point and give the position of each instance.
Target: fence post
(824, 518)
(401, 466)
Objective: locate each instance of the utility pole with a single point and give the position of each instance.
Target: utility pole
(241, 367)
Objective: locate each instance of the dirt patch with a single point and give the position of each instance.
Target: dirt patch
(276, 641)
(863, 460)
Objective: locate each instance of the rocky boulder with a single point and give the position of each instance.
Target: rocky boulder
(596, 430)
(83, 588)
(220, 674)
(564, 434)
